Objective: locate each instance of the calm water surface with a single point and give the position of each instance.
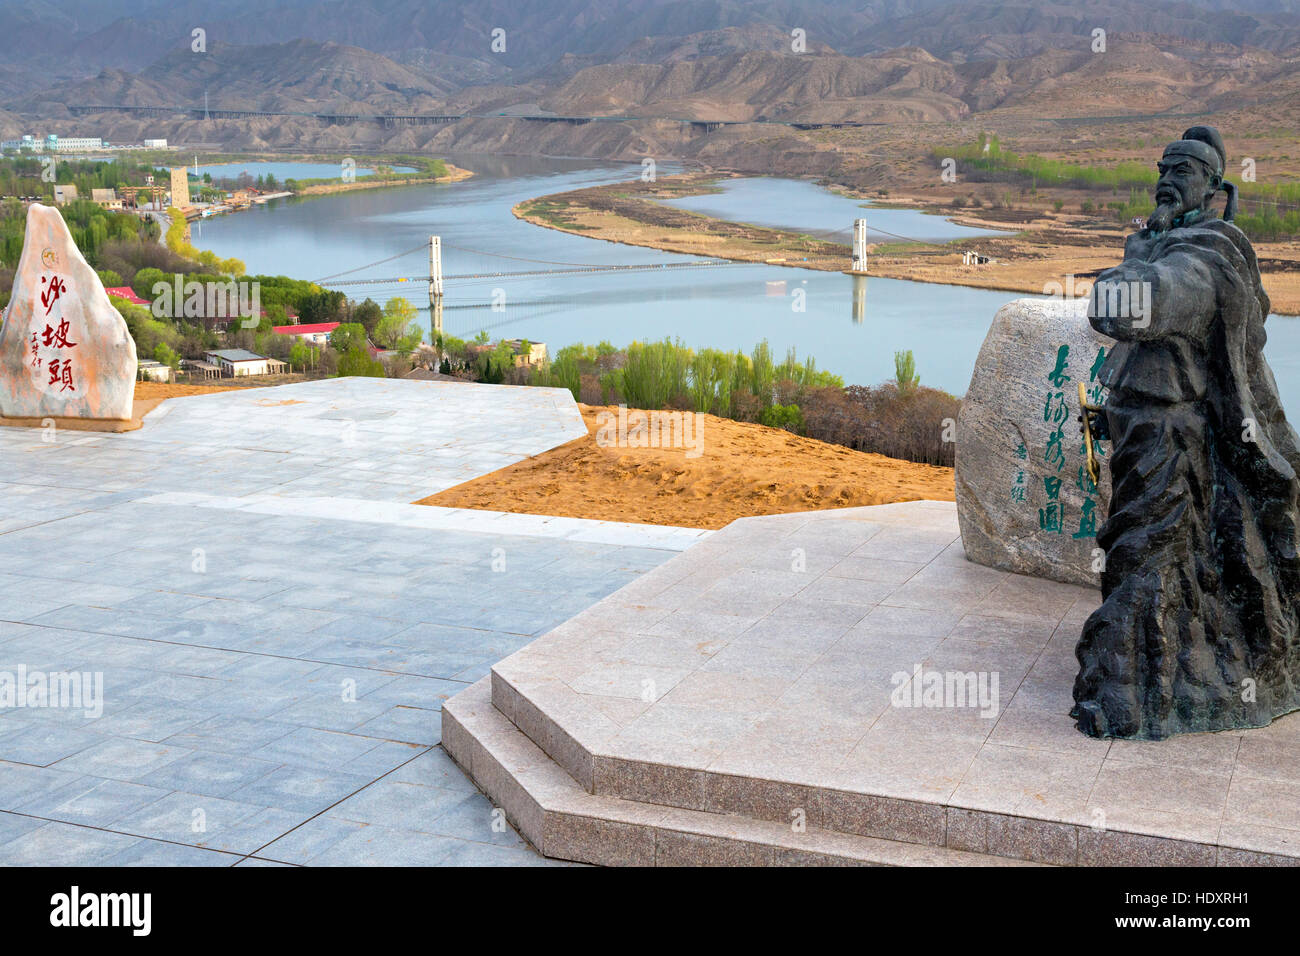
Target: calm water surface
(801, 205)
(727, 307)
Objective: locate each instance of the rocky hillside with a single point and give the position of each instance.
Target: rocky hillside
(925, 71)
(297, 76)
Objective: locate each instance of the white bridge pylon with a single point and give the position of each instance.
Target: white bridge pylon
(435, 285)
(859, 245)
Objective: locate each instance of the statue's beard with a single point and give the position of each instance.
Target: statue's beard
(1166, 212)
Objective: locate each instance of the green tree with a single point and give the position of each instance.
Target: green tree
(348, 337)
(322, 305)
(165, 354)
(763, 373)
(299, 354)
(397, 329)
(368, 313)
(788, 417)
(145, 279)
(357, 361)
(109, 278)
(905, 376)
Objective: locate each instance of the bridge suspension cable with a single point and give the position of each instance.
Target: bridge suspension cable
(502, 255)
(368, 265)
(827, 233)
(532, 273)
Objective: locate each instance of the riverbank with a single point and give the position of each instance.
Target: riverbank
(630, 213)
(454, 175)
(1040, 247)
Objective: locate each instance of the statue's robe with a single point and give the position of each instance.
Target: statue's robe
(1198, 626)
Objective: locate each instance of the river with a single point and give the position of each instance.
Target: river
(729, 307)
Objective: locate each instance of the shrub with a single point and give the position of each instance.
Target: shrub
(348, 337)
(908, 425)
(162, 353)
(788, 417)
(654, 375)
(357, 361)
(145, 279)
(902, 422)
(905, 376)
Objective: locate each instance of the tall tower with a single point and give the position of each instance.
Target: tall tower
(859, 245)
(180, 187)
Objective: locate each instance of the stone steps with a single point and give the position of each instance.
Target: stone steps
(532, 707)
(564, 821)
(699, 711)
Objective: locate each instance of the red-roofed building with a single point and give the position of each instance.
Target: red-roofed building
(125, 292)
(317, 333)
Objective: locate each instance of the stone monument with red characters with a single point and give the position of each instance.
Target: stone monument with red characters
(65, 351)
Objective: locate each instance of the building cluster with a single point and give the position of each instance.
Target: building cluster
(65, 193)
(51, 143)
(238, 363)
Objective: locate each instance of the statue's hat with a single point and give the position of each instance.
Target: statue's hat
(1203, 143)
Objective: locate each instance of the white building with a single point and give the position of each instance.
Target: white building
(155, 144)
(56, 144)
(155, 371)
(73, 144)
(239, 362)
(28, 141)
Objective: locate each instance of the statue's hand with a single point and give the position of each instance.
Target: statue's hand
(1097, 424)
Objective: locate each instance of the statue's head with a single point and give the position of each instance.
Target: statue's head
(1191, 172)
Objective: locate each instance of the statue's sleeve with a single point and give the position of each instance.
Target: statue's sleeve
(1141, 300)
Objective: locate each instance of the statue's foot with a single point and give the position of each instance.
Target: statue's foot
(1090, 718)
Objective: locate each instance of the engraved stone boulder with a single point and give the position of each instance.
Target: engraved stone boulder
(64, 350)
(1025, 502)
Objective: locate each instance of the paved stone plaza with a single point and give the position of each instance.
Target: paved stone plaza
(276, 626)
(754, 682)
(278, 629)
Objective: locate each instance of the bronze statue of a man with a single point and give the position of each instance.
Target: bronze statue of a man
(1201, 585)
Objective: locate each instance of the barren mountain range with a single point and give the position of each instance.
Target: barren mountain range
(654, 63)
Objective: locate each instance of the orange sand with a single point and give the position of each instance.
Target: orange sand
(743, 470)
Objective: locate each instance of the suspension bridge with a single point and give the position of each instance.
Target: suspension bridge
(436, 280)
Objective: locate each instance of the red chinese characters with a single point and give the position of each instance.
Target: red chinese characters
(49, 346)
(54, 288)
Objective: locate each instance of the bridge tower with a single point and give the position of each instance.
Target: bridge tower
(435, 285)
(859, 245)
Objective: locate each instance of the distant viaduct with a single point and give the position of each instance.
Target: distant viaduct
(438, 119)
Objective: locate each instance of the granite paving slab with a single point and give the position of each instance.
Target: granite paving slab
(855, 666)
(274, 625)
